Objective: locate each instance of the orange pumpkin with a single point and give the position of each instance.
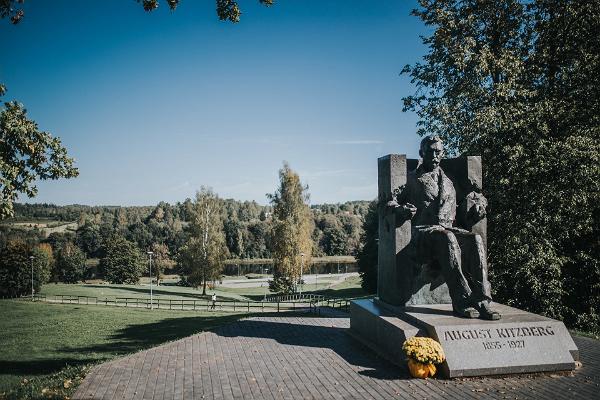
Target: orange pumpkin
(420, 370)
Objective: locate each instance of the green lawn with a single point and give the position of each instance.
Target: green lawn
(174, 292)
(40, 339)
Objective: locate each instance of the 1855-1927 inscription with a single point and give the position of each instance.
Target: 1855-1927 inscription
(501, 337)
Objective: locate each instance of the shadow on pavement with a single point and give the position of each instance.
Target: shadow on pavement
(318, 336)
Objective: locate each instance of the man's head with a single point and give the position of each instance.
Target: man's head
(431, 151)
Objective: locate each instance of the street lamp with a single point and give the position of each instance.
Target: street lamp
(301, 271)
(31, 258)
(150, 272)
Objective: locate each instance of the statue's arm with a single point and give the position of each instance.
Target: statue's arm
(472, 209)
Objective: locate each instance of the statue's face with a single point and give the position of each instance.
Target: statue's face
(432, 155)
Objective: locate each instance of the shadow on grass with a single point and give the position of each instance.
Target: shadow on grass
(347, 293)
(41, 367)
(155, 291)
(143, 336)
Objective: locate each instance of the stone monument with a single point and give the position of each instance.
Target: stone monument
(432, 275)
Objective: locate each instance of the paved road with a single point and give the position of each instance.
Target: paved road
(287, 357)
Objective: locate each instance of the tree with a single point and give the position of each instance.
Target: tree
(203, 256)
(292, 228)
(517, 83)
(43, 262)
(160, 259)
(367, 255)
(70, 264)
(122, 261)
(27, 155)
(89, 239)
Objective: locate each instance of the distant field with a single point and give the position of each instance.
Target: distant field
(40, 339)
(48, 226)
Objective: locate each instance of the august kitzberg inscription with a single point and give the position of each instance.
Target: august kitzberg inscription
(473, 334)
(492, 337)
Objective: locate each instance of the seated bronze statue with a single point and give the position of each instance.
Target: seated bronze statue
(429, 201)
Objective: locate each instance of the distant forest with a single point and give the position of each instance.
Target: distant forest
(337, 227)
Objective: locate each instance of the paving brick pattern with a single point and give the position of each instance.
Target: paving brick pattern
(290, 357)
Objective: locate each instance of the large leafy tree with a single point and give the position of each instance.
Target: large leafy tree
(292, 228)
(518, 82)
(203, 256)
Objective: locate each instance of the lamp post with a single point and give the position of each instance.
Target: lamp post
(301, 271)
(31, 259)
(150, 272)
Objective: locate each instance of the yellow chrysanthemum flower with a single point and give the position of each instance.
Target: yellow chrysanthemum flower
(424, 350)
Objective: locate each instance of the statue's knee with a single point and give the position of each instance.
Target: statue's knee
(478, 240)
(450, 238)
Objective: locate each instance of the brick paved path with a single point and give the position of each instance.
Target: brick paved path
(279, 357)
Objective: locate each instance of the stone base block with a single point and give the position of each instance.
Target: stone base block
(520, 342)
(380, 329)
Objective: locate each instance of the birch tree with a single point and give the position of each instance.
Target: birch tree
(202, 257)
(292, 228)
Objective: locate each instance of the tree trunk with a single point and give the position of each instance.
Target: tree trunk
(204, 281)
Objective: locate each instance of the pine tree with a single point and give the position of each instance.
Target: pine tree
(292, 228)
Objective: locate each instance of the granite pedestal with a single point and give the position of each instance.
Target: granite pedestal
(521, 342)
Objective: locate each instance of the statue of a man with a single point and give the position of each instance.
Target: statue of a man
(429, 201)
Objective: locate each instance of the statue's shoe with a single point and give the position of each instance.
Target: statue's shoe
(485, 312)
(466, 312)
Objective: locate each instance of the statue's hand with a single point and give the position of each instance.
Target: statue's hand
(479, 211)
(409, 210)
(479, 207)
(393, 204)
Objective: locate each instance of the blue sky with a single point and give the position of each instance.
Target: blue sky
(152, 106)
